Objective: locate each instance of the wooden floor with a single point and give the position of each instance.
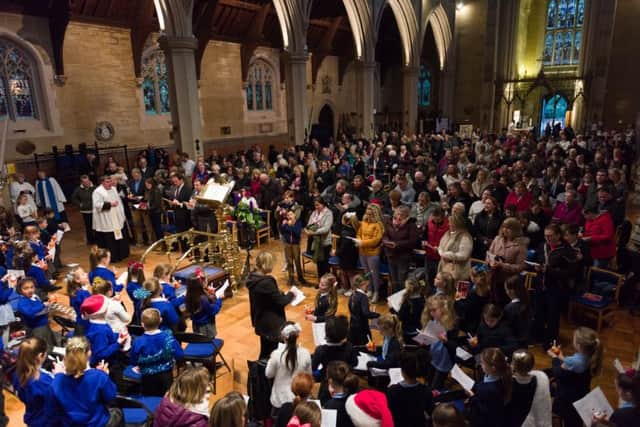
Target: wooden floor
(241, 344)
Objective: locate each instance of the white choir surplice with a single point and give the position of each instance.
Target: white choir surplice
(16, 188)
(111, 220)
(57, 191)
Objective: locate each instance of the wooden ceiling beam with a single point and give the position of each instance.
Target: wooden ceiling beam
(241, 5)
(324, 49)
(141, 26)
(253, 38)
(203, 30)
(59, 15)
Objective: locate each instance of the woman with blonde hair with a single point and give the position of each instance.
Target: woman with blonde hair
(369, 242)
(455, 249)
(81, 396)
(186, 403)
(267, 304)
(506, 257)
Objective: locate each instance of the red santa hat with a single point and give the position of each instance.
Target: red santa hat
(369, 408)
(94, 306)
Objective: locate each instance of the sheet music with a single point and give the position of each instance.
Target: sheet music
(16, 273)
(363, 359)
(395, 376)
(377, 372)
(430, 334)
(463, 354)
(593, 402)
(463, 379)
(319, 337)
(298, 296)
(329, 418)
(220, 292)
(395, 300)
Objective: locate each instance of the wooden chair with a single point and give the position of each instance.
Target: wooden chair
(600, 304)
(265, 230)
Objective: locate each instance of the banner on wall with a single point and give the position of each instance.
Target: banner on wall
(466, 131)
(442, 124)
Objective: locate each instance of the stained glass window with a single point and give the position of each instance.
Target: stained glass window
(424, 87)
(564, 36)
(554, 110)
(155, 83)
(17, 99)
(259, 89)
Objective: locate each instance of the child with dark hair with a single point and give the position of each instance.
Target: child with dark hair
(342, 383)
(34, 312)
(628, 388)
(516, 312)
(285, 362)
(410, 402)
(326, 300)
(202, 306)
(359, 331)
(493, 332)
(447, 415)
(411, 309)
(37, 270)
(336, 349)
(154, 354)
(135, 279)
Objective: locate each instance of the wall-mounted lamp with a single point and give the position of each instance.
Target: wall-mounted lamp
(459, 5)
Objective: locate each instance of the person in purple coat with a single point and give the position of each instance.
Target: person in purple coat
(187, 402)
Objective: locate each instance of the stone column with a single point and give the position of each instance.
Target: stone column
(365, 82)
(410, 99)
(297, 114)
(183, 90)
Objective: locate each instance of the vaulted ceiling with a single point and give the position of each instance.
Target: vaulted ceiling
(251, 23)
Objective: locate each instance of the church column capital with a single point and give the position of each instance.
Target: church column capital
(367, 65)
(297, 58)
(178, 43)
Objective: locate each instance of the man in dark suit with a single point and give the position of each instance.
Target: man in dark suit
(145, 170)
(180, 194)
(141, 220)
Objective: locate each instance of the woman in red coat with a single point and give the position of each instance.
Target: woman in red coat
(600, 233)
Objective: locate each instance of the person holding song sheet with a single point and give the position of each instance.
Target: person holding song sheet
(326, 300)
(410, 309)
(443, 350)
(359, 332)
(267, 304)
(489, 396)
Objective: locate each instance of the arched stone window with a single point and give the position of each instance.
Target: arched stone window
(424, 87)
(563, 37)
(18, 77)
(259, 90)
(155, 85)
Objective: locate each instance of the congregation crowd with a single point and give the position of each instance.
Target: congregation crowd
(487, 239)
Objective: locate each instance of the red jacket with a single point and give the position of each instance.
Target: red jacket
(603, 236)
(433, 235)
(522, 203)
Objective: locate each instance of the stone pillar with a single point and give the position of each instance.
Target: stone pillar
(297, 114)
(410, 99)
(365, 82)
(183, 90)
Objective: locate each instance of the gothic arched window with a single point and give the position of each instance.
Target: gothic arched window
(259, 88)
(563, 37)
(155, 86)
(17, 79)
(424, 87)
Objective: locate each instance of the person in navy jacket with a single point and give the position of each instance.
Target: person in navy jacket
(100, 259)
(78, 289)
(34, 312)
(80, 396)
(31, 382)
(489, 396)
(359, 332)
(154, 354)
(135, 279)
(290, 230)
(162, 272)
(106, 345)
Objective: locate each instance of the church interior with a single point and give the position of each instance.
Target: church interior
(214, 81)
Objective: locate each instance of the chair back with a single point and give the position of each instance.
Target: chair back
(135, 330)
(192, 338)
(65, 324)
(124, 402)
(605, 283)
